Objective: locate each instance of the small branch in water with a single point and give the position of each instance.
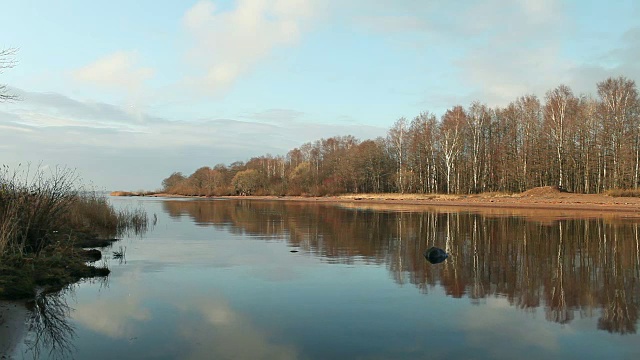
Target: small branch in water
(121, 254)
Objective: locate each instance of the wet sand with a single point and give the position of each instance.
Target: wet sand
(12, 326)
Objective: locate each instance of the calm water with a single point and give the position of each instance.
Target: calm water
(216, 279)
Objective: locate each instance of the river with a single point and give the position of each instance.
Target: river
(252, 279)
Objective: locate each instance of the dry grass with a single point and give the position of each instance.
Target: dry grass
(38, 209)
(33, 207)
(44, 220)
(623, 193)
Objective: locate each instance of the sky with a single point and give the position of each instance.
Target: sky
(126, 92)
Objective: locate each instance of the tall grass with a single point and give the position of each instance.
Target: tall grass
(32, 207)
(90, 211)
(41, 208)
(135, 220)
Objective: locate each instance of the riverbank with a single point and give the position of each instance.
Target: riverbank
(545, 201)
(22, 276)
(47, 224)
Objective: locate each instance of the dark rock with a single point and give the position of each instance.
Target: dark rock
(435, 255)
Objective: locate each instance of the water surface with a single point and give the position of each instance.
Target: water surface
(217, 279)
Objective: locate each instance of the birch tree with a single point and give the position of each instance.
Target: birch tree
(423, 137)
(477, 121)
(530, 112)
(397, 138)
(450, 139)
(619, 108)
(557, 112)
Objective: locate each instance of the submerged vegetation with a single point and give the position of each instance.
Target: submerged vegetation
(45, 222)
(577, 142)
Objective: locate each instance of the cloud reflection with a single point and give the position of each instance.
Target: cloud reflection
(222, 332)
(116, 317)
(481, 328)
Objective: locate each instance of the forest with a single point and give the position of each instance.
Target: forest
(579, 143)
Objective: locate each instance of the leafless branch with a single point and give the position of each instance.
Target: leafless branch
(7, 61)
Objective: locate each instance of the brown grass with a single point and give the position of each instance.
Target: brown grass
(43, 220)
(623, 193)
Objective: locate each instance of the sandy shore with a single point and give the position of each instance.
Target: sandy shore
(547, 203)
(12, 326)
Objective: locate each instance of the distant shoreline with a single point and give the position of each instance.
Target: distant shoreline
(544, 198)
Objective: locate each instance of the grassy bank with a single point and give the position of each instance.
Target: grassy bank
(46, 220)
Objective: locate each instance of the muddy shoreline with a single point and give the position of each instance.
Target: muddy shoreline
(14, 313)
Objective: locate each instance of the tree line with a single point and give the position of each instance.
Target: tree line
(579, 143)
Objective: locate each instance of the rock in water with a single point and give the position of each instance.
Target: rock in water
(435, 255)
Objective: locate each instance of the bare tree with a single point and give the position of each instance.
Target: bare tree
(450, 138)
(587, 130)
(530, 110)
(619, 109)
(7, 61)
(557, 112)
(397, 138)
(477, 121)
(423, 132)
(172, 181)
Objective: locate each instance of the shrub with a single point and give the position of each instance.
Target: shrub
(32, 207)
(39, 209)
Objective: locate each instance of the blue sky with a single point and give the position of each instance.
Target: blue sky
(126, 92)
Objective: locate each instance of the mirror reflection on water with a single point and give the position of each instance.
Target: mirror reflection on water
(218, 279)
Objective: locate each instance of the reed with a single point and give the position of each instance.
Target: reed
(39, 209)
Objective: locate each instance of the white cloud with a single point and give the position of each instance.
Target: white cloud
(498, 49)
(502, 49)
(118, 70)
(542, 9)
(56, 129)
(517, 52)
(228, 44)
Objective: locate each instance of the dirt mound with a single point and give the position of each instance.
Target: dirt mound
(543, 191)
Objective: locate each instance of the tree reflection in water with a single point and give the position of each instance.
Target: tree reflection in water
(49, 328)
(567, 267)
